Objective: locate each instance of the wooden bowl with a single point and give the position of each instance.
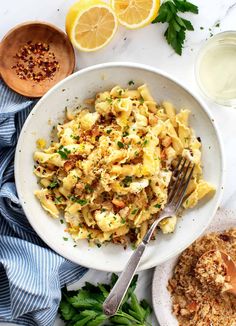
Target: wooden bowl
(60, 49)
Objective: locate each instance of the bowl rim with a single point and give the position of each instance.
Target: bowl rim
(148, 264)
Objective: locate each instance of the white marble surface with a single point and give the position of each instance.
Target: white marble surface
(148, 46)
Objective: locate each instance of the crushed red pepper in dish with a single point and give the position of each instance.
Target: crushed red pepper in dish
(35, 61)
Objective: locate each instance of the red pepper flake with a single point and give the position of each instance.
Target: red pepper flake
(35, 61)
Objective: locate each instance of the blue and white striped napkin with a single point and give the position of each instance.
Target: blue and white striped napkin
(31, 274)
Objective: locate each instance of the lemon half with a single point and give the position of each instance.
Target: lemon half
(135, 14)
(90, 24)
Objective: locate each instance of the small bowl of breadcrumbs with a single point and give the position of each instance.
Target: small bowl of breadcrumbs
(199, 280)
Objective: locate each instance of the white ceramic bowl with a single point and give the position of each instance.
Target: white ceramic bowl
(161, 298)
(84, 84)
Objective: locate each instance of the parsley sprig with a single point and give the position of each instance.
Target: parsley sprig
(176, 31)
(84, 307)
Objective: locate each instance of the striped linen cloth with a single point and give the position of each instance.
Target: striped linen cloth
(31, 274)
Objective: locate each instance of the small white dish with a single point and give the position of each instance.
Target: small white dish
(73, 90)
(161, 298)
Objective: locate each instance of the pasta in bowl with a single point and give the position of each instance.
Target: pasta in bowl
(71, 93)
(109, 167)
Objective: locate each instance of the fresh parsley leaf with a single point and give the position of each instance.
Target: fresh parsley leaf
(186, 6)
(114, 278)
(147, 307)
(157, 205)
(67, 311)
(109, 131)
(177, 26)
(97, 321)
(84, 307)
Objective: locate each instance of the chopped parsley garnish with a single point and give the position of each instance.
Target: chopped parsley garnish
(53, 184)
(157, 206)
(141, 100)
(65, 239)
(98, 245)
(88, 188)
(89, 236)
(127, 180)
(75, 137)
(58, 200)
(145, 142)
(125, 133)
(82, 202)
(109, 100)
(120, 92)
(103, 210)
(63, 152)
(177, 26)
(134, 211)
(123, 220)
(133, 247)
(131, 82)
(120, 144)
(109, 131)
(61, 221)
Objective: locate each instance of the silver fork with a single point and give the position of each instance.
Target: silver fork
(180, 179)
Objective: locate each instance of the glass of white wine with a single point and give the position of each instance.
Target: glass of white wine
(216, 68)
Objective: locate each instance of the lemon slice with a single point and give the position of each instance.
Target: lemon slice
(135, 14)
(90, 24)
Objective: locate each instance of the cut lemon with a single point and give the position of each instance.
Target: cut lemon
(90, 24)
(135, 14)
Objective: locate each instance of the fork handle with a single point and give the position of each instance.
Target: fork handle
(114, 299)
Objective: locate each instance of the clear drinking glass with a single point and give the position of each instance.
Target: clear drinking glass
(216, 68)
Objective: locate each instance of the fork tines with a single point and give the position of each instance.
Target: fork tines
(180, 179)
